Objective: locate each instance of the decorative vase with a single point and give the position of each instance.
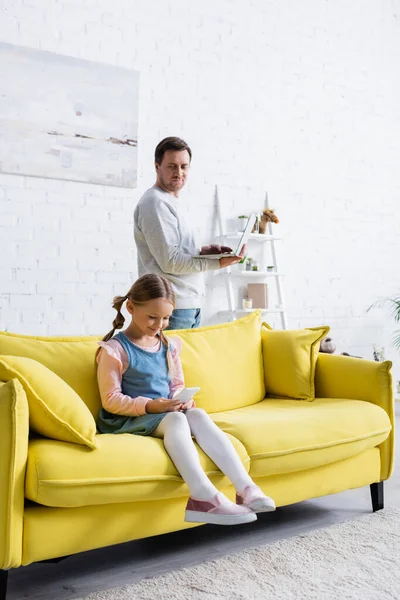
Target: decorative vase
(262, 226)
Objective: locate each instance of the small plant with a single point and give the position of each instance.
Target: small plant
(394, 312)
(270, 268)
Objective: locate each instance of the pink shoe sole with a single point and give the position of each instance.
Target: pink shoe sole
(261, 504)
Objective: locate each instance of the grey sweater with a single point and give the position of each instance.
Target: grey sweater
(166, 245)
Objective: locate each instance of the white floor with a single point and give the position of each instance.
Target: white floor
(127, 563)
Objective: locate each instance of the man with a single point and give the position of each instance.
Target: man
(165, 242)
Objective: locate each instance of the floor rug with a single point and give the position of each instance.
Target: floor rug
(355, 560)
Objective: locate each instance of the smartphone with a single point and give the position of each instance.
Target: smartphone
(186, 394)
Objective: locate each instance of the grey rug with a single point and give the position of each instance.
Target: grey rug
(355, 560)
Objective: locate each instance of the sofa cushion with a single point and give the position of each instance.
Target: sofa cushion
(290, 357)
(71, 358)
(285, 436)
(123, 468)
(55, 409)
(225, 361)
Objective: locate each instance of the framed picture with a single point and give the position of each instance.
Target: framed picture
(66, 118)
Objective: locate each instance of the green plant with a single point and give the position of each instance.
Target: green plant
(394, 312)
(243, 217)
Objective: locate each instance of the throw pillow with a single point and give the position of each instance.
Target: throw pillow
(225, 361)
(290, 357)
(55, 409)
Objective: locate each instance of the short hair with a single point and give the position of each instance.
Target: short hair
(170, 143)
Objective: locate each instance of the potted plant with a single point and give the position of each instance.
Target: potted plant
(249, 263)
(270, 268)
(241, 222)
(394, 312)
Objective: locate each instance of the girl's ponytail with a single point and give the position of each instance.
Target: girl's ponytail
(119, 320)
(170, 362)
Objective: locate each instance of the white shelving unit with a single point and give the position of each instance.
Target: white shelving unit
(232, 273)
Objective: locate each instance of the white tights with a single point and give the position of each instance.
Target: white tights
(177, 429)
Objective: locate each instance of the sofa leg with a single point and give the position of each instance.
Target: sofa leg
(3, 584)
(377, 495)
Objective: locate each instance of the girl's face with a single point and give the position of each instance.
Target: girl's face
(151, 317)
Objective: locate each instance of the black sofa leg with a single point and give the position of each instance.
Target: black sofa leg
(377, 495)
(3, 584)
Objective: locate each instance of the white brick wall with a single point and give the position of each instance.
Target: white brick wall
(298, 98)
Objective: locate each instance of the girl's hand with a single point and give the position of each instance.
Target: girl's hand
(187, 405)
(161, 405)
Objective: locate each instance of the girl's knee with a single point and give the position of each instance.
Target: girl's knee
(197, 414)
(177, 421)
(175, 417)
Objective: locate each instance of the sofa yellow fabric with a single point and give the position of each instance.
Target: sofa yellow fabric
(289, 359)
(295, 450)
(71, 358)
(367, 380)
(289, 436)
(348, 474)
(55, 410)
(225, 361)
(14, 431)
(123, 468)
(50, 532)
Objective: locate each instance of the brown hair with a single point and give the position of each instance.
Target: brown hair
(170, 143)
(148, 287)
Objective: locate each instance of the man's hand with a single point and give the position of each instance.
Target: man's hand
(228, 261)
(214, 249)
(161, 405)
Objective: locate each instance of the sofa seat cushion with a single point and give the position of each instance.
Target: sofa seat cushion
(285, 436)
(122, 468)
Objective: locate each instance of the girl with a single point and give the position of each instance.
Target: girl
(139, 373)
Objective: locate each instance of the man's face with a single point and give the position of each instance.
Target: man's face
(173, 171)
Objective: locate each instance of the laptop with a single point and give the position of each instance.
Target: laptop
(243, 240)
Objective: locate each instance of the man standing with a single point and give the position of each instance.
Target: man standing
(165, 242)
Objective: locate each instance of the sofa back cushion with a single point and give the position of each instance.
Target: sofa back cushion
(71, 358)
(290, 358)
(225, 361)
(55, 409)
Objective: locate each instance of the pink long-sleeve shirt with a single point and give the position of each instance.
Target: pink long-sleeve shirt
(112, 362)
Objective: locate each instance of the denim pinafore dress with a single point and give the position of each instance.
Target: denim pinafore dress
(147, 375)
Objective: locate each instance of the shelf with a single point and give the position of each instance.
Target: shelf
(254, 274)
(244, 311)
(256, 237)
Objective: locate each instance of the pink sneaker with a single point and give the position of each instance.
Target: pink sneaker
(255, 499)
(203, 511)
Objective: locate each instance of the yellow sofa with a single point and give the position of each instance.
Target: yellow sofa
(305, 424)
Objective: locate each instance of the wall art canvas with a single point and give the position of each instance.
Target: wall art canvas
(66, 118)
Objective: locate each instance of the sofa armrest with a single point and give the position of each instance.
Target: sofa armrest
(14, 433)
(358, 379)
